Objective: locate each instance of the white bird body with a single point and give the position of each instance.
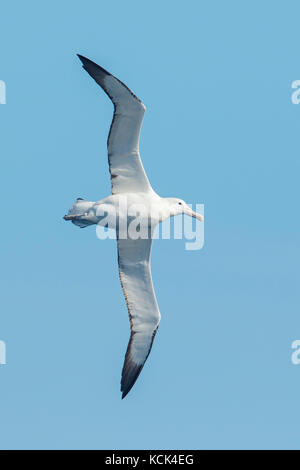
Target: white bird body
(134, 209)
(121, 207)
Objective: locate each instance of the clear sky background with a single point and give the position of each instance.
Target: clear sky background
(220, 129)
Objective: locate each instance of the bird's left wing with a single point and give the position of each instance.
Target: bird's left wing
(136, 281)
(125, 165)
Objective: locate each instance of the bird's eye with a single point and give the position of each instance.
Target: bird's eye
(180, 203)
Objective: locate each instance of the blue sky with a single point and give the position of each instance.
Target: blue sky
(220, 129)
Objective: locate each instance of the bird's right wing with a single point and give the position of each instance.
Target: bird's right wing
(144, 315)
(125, 165)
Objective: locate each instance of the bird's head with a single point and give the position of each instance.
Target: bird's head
(178, 206)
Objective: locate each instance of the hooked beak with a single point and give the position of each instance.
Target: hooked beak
(194, 214)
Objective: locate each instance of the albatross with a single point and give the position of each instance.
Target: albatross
(132, 199)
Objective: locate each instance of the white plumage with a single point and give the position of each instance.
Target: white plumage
(130, 190)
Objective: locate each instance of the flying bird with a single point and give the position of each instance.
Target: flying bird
(132, 197)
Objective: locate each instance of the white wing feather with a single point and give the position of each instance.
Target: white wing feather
(144, 315)
(126, 169)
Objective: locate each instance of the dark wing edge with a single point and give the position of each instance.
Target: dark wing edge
(115, 91)
(131, 371)
(97, 72)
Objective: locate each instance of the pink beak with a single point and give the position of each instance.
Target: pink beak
(194, 214)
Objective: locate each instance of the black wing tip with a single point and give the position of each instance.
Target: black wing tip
(131, 370)
(130, 374)
(85, 60)
(81, 57)
(126, 387)
(88, 63)
(126, 390)
(95, 71)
